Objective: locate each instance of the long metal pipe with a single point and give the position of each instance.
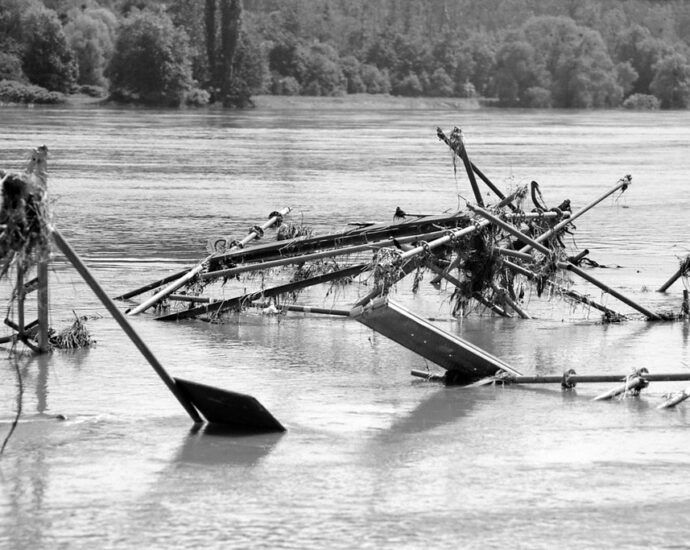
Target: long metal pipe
(172, 287)
(622, 184)
(563, 265)
(121, 320)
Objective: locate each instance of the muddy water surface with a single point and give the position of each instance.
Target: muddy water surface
(372, 458)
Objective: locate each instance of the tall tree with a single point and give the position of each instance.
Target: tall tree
(210, 26)
(47, 59)
(671, 83)
(230, 21)
(151, 63)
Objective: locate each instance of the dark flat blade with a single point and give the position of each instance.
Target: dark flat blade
(227, 408)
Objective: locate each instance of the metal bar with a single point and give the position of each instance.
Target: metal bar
(152, 285)
(675, 399)
(570, 293)
(563, 265)
(121, 320)
(510, 302)
(597, 378)
(677, 275)
(587, 277)
(215, 308)
(172, 287)
(514, 254)
(633, 383)
(622, 184)
(20, 300)
(308, 309)
(185, 298)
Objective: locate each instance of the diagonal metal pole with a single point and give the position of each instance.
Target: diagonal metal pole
(121, 320)
(562, 265)
(623, 184)
(172, 287)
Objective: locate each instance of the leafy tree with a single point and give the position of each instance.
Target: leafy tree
(671, 83)
(585, 75)
(323, 75)
(151, 62)
(47, 59)
(350, 66)
(410, 85)
(289, 59)
(637, 46)
(190, 15)
(626, 76)
(375, 81)
(480, 50)
(91, 35)
(233, 92)
(441, 84)
(518, 68)
(11, 68)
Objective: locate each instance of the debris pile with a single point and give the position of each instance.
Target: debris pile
(493, 257)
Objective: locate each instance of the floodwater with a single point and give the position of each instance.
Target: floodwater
(372, 458)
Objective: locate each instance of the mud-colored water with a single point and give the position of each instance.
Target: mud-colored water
(372, 457)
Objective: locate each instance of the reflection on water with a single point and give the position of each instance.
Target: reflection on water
(372, 458)
(210, 445)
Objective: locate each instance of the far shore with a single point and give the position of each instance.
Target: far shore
(364, 101)
(346, 102)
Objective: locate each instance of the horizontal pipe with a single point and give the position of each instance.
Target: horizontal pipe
(597, 378)
(306, 309)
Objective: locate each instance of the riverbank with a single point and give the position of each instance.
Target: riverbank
(347, 102)
(364, 101)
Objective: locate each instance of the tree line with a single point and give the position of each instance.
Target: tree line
(519, 53)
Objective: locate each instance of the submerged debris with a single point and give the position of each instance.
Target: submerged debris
(75, 336)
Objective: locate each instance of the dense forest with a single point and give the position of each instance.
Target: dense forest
(517, 53)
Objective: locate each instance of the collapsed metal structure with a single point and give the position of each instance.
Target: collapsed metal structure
(488, 254)
(492, 256)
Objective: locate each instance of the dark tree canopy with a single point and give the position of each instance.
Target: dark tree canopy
(151, 63)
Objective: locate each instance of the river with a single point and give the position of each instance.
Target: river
(372, 458)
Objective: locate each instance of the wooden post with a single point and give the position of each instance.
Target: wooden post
(43, 306)
(21, 292)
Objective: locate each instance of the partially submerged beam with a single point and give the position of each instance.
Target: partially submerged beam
(464, 361)
(684, 269)
(255, 233)
(216, 308)
(623, 184)
(121, 320)
(563, 265)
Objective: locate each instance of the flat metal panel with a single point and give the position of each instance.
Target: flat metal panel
(467, 361)
(227, 408)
